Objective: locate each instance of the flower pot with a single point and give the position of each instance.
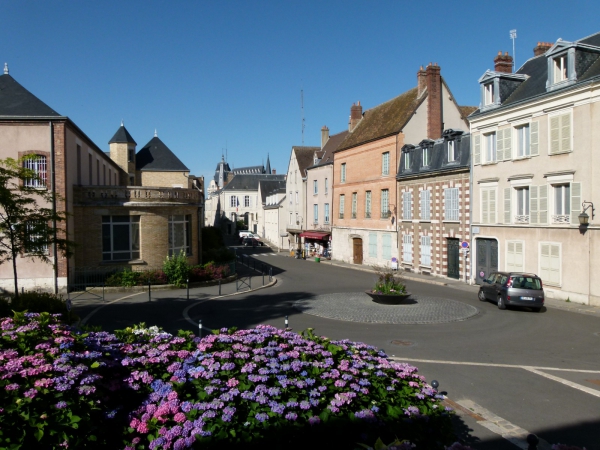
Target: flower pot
(389, 299)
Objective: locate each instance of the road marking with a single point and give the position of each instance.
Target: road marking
(89, 316)
(580, 387)
(508, 366)
(496, 424)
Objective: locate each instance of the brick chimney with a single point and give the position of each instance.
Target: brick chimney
(503, 63)
(324, 136)
(541, 48)
(421, 81)
(355, 115)
(273, 172)
(434, 101)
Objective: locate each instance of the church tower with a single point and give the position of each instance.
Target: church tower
(122, 151)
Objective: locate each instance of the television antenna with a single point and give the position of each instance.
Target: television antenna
(513, 36)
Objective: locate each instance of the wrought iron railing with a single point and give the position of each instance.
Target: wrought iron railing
(561, 218)
(522, 218)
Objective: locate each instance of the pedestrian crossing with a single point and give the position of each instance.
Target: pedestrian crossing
(262, 254)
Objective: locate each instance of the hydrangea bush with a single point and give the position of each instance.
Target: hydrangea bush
(141, 388)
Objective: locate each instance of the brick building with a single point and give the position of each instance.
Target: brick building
(434, 214)
(116, 216)
(366, 205)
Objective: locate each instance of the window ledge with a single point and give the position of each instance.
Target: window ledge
(560, 153)
(407, 220)
(491, 163)
(522, 158)
(450, 221)
(131, 262)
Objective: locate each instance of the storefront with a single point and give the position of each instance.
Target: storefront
(316, 243)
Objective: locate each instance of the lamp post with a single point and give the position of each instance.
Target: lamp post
(584, 218)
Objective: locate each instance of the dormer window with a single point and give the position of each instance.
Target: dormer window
(426, 156)
(407, 161)
(452, 151)
(560, 68)
(489, 93)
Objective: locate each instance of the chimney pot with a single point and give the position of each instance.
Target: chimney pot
(503, 63)
(355, 115)
(541, 48)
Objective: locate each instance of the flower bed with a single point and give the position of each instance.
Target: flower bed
(259, 388)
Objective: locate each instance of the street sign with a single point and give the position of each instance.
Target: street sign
(464, 244)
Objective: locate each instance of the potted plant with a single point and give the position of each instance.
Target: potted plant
(389, 288)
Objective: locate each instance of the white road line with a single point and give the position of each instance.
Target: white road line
(89, 316)
(508, 366)
(512, 433)
(580, 387)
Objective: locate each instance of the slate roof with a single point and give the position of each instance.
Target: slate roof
(16, 101)
(439, 159)
(304, 156)
(536, 69)
(383, 120)
(268, 187)
(122, 136)
(155, 155)
(249, 170)
(249, 182)
(331, 146)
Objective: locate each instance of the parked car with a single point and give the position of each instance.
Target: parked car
(248, 234)
(513, 289)
(252, 242)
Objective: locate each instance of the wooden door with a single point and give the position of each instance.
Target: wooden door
(487, 259)
(453, 259)
(357, 250)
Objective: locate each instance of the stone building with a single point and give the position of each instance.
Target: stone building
(121, 212)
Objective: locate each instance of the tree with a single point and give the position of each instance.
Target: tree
(28, 217)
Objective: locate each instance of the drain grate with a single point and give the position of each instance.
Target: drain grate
(402, 343)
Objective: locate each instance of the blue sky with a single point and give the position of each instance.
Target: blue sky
(211, 75)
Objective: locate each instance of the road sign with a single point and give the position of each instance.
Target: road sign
(464, 244)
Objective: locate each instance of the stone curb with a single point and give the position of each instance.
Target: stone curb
(163, 287)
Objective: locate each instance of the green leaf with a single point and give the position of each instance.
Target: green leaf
(379, 445)
(38, 434)
(95, 365)
(75, 419)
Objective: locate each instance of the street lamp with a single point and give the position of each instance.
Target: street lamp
(584, 218)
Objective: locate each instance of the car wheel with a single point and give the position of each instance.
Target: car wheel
(481, 295)
(501, 304)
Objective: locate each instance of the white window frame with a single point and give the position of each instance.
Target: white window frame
(560, 68)
(246, 201)
(326, 186)
(183, 221)
(35, 241)
(385, 163)
(452, 156)
(39, 165)
(233, 201)
(451, 204)
(342, 205)
(522, 202)
(426, 156)
(316, 213)
(407, 250)
(343, 173)
(425, 204)
(561, 202)
(108, 232)
(488, 93)
(425, 250)
(297, 198)
(315, 187)
(354, 204)
(368, 204)
(406, 160)
(490, 141)
(407, 205)
(326, 208)
(385, 203)
(523, 141)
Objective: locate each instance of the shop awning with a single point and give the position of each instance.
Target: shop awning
(315, 234)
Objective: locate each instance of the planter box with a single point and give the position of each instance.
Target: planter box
(387, 299)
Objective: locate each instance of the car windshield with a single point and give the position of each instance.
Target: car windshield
(522, 282)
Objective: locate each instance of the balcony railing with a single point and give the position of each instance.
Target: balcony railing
(561, 218)
(386, 214)
(522, 218)
(117, 195)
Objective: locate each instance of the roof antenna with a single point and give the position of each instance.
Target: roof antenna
(5, 68)
(302, 110)
(122, 123)
(513, 36)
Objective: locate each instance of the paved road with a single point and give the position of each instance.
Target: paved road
(509, 372)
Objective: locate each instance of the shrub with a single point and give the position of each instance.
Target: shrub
(152, 277)
(259, 388)
(176, 269)
(130, 278)
(388, 282)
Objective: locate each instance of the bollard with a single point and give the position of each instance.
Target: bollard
(286, 322)
(532, 441)
(187, 284)
(270, 273)
(435, 384)
(219, 286)
(149, 292)
(263, 275)
(200, 329)
(249, 283)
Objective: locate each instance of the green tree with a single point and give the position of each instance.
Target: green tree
(29, 222)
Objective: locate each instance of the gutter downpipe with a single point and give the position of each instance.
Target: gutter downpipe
(472, 251)
(53, 187)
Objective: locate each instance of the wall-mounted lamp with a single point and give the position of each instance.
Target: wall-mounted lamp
(584, 218)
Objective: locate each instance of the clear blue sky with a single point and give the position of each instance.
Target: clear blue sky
(210, 75)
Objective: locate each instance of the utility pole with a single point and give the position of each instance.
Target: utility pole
(513, 36)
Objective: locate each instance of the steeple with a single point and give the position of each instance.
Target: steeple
(122, 151)
(5, 68)
(268, 168)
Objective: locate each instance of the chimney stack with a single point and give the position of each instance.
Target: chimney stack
(434, 101)
(273, 172)
(355, 115)
(324, 136)
(503, 63)
(421, 81)
(541, 48)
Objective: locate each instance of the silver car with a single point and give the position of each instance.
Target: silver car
(513, 289)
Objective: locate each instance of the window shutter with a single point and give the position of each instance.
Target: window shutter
(477, 149)
(550, 264)
(543, 204)
(507, 205)
(386, 246)
(534, 148)
(565, 132)
(519, 266)
(507, 143)
(554, 134)
(372, 245)
(492, 206)
(510, 257)
(500, 145)
(485, 206)
(575, 202)
(533, 205)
